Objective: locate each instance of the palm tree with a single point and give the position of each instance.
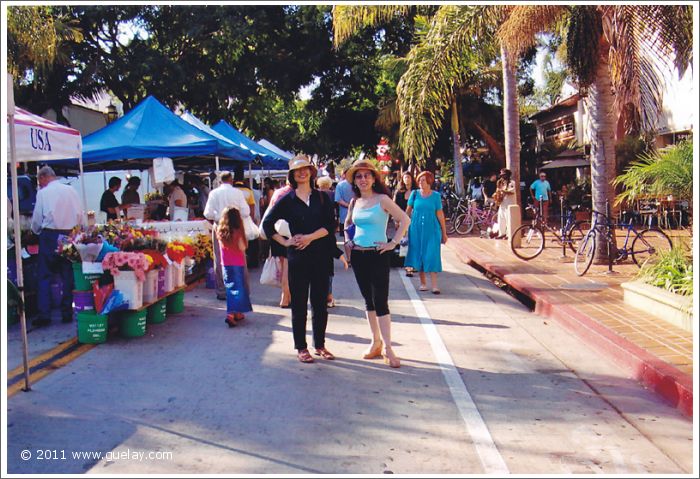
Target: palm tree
(610, 48)
(440, 63)
(36, 37)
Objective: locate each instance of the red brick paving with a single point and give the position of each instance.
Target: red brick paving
(657, 353)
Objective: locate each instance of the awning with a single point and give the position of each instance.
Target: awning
(270, 146)
(566, 163)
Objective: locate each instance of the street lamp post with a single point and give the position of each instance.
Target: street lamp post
(111, 113)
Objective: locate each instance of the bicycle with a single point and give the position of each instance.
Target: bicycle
(482, 218)
(644, 246)
(528, 241)
(453, 207)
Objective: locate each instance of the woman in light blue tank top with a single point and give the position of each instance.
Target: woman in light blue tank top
(370, 256)
(370, 226)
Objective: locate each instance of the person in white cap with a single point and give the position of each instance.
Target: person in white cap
(311, 219)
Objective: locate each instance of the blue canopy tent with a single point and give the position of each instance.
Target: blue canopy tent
(149, 131)
(270, 159)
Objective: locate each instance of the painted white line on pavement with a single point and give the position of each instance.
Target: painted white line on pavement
(488, 453)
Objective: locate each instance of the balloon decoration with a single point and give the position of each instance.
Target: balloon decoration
(383, 156)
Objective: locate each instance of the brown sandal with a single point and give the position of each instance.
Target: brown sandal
(324, 353)
(230, 320)
(304, 356)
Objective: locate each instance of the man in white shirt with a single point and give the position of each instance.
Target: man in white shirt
(57, 211)
(220, 198)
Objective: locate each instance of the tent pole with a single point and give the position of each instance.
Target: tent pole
(216, 158)
(250, 170)
(18, 252)
(82, 186)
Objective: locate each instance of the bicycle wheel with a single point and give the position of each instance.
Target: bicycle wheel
(585, 253)
(464, 224)
(531, 240)
(576, 234)
(450, 223)
(647, 244)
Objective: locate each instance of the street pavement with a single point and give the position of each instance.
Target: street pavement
(485, 387)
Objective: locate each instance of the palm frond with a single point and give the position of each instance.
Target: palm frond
(665, 172)
(389, 116)
(642, 38)
(349, 19)
(443, 61)
(583, 43)
(524, 22)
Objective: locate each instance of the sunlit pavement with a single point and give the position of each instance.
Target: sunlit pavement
(485, 386)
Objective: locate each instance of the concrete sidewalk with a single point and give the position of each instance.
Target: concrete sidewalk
(654, 352)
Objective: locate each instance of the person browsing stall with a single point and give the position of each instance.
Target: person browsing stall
(57, 211)
(108, 202)
(220, 198)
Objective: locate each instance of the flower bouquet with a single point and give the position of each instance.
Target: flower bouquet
(202, 247)
(155, 259)
(126, 261)
(154, 195)
(138, 239)
(67, 249)
(178, 250)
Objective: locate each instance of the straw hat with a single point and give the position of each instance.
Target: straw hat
(301, 161)
(361, 165)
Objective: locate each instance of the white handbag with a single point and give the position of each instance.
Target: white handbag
(272, 272)
(252, 231)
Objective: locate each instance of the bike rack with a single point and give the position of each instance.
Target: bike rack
(563, 239)
(610, 259)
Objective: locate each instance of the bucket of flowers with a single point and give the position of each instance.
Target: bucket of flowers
(177, 251)
(84, 248)
(129, 271)
(157, 262)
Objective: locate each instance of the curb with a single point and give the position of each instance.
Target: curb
(664, 379)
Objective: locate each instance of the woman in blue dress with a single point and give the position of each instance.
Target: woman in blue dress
(427, 231)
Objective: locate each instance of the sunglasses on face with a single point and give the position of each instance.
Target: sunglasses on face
(361, 176)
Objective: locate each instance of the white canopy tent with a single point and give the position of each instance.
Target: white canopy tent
(33, 138)
(287, 154)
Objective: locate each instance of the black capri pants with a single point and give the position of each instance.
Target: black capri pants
(372, 274)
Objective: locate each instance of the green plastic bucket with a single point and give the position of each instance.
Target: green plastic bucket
(156, 312)
(92, 327)
(132, 324)
(83, 282)
(176, 303)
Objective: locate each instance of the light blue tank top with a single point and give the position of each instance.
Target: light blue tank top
(370, 225)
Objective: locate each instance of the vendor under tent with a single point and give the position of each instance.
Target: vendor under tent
(150, 131)
(33, 138)
(288, 155)
(271, 160)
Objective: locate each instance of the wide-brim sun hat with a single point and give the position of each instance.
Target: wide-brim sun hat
(301, 161)
(361, 165)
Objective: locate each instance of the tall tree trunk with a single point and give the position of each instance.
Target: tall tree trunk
(602, 136)
(511, 120)
(456, 154)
